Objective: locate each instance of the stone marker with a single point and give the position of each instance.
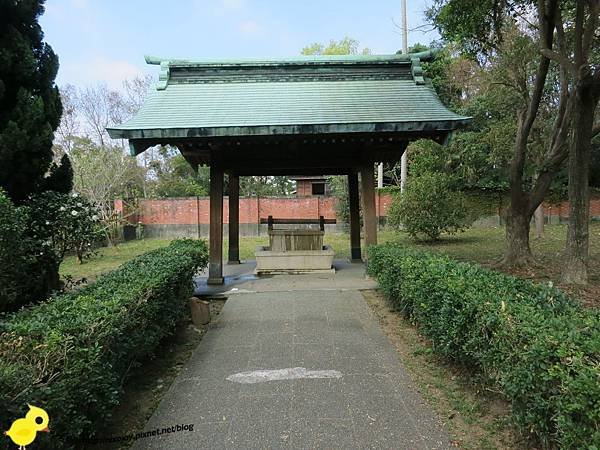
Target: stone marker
(200, 311)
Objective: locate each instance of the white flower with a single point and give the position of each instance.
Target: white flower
(79, 205)
(73, 213)
(47, 223)
(62, 208)
(94, 217)
(74, 195)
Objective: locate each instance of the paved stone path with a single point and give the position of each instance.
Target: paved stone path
(321, 325)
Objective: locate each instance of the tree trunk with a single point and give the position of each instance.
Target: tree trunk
(539, 221)
(517, 252)
(575, 267)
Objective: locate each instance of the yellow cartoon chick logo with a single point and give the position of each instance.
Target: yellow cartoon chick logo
(23, 431)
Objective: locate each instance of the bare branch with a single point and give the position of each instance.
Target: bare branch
(425, 28)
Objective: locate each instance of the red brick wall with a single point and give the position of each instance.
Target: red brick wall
(190, 211)
(562, 209)
(187, 211)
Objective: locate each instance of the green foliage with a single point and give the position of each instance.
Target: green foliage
(30, 106)
(529, 342)
(429, 207)
(338, 187)
(28, 271)
(440, 73)
(426, 157)
(469, 22)
(63, 223)
(264, 186)
(175, 177)
(71, 353)
(15, 260)
(346, 46)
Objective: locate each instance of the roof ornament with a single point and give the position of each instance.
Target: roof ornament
(163, 76)
(417, 71)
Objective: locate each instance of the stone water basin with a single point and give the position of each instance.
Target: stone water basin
(294, 251)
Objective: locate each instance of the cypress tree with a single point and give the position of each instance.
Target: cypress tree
(30, 106)
(60, 177)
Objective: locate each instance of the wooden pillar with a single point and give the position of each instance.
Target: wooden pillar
(233, 255)
(367, 180)
(215, 264)
(353, 198)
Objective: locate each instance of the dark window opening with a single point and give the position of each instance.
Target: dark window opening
(318, 189)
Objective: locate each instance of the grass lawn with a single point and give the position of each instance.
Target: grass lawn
(480, 245)
(108, 258)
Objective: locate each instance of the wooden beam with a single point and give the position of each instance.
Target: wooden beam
(291, 171)
(353, 198)
(367, 179)
(233, 255)
(215, 265)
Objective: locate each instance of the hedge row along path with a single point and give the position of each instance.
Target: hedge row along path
(308, 367)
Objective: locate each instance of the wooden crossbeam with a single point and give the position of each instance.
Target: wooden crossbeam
(321, 221)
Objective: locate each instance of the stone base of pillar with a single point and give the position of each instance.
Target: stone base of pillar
(355, 255)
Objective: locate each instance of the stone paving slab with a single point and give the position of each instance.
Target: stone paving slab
(240, 278)
(373, 405)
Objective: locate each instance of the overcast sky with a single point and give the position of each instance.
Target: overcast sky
(106, 40)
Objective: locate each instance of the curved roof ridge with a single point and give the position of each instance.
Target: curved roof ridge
(309, 59)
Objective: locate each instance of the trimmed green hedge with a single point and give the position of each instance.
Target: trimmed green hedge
(529, 341)
(70, 354)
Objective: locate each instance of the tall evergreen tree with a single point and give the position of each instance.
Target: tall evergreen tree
(60, 178)
(30, 106)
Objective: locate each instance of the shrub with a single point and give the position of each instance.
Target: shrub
(22, 268)
(530, 342)
(429, 207)
(13, 258)
(64, 223)
(70, 354)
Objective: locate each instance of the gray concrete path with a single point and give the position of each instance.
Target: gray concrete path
(322, 324)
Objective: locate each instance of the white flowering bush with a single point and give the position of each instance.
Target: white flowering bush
(64, 223)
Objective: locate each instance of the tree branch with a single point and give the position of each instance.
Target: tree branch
(527, 118)
(560, 59)
(557, 153)
(590, 27)
(579, 13)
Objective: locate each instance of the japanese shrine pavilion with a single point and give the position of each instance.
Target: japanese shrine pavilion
(313, 115)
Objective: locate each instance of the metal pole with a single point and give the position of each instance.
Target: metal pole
(404, 29)
(404, 159)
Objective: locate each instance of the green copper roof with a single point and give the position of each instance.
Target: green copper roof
(313, 94)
